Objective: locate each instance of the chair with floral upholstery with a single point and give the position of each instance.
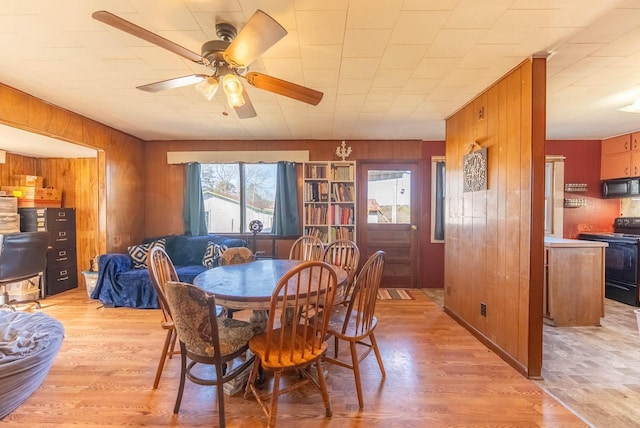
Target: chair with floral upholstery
(207, 339)
(234, 256)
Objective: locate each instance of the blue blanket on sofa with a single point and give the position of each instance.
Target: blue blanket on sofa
(121, 284)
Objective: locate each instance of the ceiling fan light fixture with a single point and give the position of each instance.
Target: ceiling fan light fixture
(208, 87)
(233, 89)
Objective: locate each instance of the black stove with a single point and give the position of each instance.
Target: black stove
(622, 259)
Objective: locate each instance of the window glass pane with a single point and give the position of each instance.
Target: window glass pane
(260, 194)
(389, 194)
(235, 194)
(548, 197)
(221, 190)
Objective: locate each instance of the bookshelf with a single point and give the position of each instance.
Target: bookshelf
(330, 200)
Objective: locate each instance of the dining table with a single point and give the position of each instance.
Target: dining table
(250, 285)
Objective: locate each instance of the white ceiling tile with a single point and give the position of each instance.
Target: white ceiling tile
(475, 14)
(430, 68)
(454, 43)
(353, 68)
(354, 86)
(418, 27)
(373, 14)
(429, 4)
(402, 56)
(321, 28)
(365, 43)
(390, 78)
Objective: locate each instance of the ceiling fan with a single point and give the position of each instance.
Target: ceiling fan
(228, 59)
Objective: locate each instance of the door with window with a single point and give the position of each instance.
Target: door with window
(389, 210)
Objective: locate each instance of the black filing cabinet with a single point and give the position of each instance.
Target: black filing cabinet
(62, 269)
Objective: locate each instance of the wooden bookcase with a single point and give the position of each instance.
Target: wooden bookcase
(329, 197)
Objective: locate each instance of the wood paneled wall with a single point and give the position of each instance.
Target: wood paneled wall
(165, 183)
(107, 191)
(494, 237)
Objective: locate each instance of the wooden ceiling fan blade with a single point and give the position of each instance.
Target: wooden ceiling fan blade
(176, 82)
(137, 31)
(282, 87)
(259, 34)
(245, 111)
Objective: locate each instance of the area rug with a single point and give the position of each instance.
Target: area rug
(394, 294)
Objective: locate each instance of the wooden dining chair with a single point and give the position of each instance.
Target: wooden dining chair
(356, 322)
(206, 338)
(343, 253)
(307, 247)
(162, 270)
(294, 338)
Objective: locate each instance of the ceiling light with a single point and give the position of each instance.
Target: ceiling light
(208, 87)
(632, 108)
(233, 89)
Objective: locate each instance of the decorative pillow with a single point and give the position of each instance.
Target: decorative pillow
(213, 252)
(140, 253)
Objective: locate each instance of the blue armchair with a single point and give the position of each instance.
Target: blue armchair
(121, 284)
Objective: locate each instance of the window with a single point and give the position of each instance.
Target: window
(237, 193)
(553, 195)
(437, 198)
(389, 194)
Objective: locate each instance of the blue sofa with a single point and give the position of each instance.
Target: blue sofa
(120, 284)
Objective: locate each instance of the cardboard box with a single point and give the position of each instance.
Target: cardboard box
(27, 180)
(34, 197)
(26, 192)
(48, 193)
(39, 203)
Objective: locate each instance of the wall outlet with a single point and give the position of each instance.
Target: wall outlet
(483, 309)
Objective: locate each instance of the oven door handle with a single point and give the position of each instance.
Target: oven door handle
(616, 241)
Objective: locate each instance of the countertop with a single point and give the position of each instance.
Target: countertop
(551, 241)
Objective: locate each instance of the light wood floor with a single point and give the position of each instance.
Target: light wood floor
(438, 375)
(595, 371)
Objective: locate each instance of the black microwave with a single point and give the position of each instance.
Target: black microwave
(621, 188)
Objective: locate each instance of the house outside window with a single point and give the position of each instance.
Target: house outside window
(237, 193)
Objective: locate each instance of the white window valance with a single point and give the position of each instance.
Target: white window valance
(238, 156)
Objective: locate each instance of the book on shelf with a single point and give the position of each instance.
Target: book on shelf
(320, 233)
(342, 172)
(316, 192)
(342, 233)
(342, 192)
(316, 171)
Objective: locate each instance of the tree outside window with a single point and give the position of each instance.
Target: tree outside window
(237, 193)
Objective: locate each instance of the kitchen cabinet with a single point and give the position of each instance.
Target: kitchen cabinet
(573, 282)
(620, 156)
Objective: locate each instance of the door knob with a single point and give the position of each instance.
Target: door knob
(414, 227)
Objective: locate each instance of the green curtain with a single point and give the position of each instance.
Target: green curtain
(285, 213)
(193, 210)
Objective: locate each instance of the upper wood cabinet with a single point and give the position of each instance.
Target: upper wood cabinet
(620, 156)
